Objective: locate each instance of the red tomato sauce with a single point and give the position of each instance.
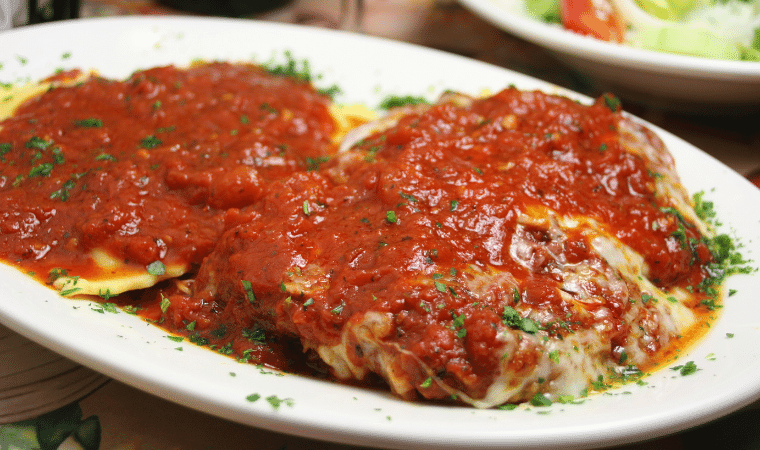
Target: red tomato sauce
(149, 168)
(214, 167)
(397, 230)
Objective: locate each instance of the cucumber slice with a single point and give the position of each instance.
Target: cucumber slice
(688, 41)
(672, 10)
(547, 10)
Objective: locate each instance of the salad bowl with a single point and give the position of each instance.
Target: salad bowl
(654, 78)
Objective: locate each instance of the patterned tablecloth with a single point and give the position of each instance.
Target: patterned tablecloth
(119, 417)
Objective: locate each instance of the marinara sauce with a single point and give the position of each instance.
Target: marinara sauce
(150, 168)
(416, 225)
(230, 171)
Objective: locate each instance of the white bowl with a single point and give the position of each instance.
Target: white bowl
(660, 79)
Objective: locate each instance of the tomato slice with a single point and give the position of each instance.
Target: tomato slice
(596, 18)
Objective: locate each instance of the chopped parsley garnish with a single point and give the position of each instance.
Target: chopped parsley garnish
(331, 91)
(686, 369)
(248, 288)
(408, 197)
(268, 108)
(397, 101)
(680, 235)
(56, 273)
(226, 349)
(512, 319)
(292, 69)
(457, 324)
(540, 400)
(197, 339)
(516, 295)
(131, 309)
(612, 102)
(67, 292)
(58, 157)
(703, 209)
(165, 304)
(105, 157)
(710, 304)
(255, 335)
(315, 163)
(41, 170)
(220, 332)
(5, 147)
(89, 123)
(156, 268)
(338, 309)
(276, 402)
(390, 216)
(150, 142)
(38, 143)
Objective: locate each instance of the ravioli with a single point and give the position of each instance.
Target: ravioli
(111, 186)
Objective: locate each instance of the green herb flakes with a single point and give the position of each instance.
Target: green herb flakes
(338, 309)
(89, 123)
(38, 143)
(397, 101)
(276, 402)
(150, 142)
(248, 288)
(156, 268)
(612, 102)
(540, 400)
(686, 369)
(41, 170)
(165, 304)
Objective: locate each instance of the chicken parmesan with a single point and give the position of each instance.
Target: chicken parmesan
(478, 250)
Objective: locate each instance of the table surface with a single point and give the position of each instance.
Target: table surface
(128, 419)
